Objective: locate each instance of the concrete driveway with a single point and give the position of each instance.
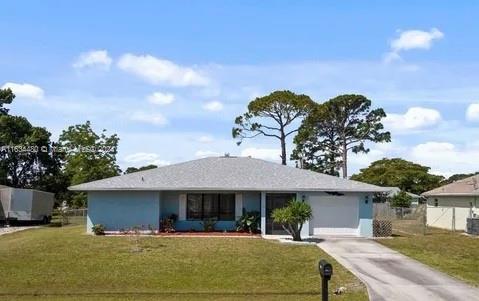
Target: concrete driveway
(392, 276)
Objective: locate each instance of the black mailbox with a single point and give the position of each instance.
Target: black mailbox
(325, 269)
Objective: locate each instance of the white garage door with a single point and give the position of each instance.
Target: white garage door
(334, 215)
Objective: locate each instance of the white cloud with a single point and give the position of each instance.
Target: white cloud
(205, 139)
(145, 158)
(153, 118)
(206, 153)
(93, 58)
(271, 154)
(25, 90)
(161, 71)
(472, 113)
(412, 39)
(416, 39)
(446, 158)
(213, 106)
(161, 98)
(415, 118)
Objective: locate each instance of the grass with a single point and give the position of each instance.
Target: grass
(450, 252)
(64, 264)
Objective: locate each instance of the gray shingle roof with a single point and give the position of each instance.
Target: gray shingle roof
(465, 187)
(228, 173)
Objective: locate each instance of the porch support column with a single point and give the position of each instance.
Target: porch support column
(305, 230)
(263, 212)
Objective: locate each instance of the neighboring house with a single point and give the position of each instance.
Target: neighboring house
(395, 190)
(224, 187)
(450, 205)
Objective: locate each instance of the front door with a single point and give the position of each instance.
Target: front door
(273, 201)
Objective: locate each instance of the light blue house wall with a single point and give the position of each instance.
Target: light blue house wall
(366, 215)
(123, 209)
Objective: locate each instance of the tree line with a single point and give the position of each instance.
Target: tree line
(29, 158)
(324, 134)
(327, 132)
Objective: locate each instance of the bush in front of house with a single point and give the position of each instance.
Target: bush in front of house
(292, 217)
(167, 224)
(249, 222)
(98, 229)
(209, 224)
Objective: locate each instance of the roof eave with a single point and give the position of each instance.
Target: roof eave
(450, 194)
(266, 189)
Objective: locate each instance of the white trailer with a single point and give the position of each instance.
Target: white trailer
(25, 205)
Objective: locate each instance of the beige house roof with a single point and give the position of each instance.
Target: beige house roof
(465, 187)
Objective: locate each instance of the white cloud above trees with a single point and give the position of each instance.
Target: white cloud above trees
(151, 118)
(25, 90)
(472, 112)
(160, 71)
(160, 98)
(412, 39)
(142, 158)
(415, 118)
(213, 106)
(93, 58)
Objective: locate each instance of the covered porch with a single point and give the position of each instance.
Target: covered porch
(123, 210)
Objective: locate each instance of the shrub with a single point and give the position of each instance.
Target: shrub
(249, 222)
(98, 229)
(209, 224)
(151, 229)
(401, 199)
(292, 217)
(167, 225)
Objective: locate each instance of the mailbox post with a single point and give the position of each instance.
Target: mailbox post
(326, 271)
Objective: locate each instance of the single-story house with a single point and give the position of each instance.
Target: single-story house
(415, 199)
(224, 187)
(449, 206)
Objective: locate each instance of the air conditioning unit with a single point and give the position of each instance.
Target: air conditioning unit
(472, 226)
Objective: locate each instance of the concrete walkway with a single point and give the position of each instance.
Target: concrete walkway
(392, 276)
(8, 230)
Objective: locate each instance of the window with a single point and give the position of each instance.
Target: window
(220, 206)
(436, 203)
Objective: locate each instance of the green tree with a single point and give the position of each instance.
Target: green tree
(88, 156)
(136, 169)
(292, 217)
(397, 172)
(6, 97)
(273, 115)
(26, 157)
(457, 177)
(336, 127)
(401, 199)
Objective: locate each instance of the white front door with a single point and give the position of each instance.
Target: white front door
(334, 215)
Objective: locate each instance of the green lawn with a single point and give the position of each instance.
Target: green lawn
(65, 264)
(452, 253)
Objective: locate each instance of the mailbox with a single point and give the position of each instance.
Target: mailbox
(325, 269)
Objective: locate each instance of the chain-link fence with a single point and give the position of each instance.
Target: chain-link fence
(410, 221)
(69, 217)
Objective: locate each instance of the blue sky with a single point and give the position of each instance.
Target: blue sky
(170, 76)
